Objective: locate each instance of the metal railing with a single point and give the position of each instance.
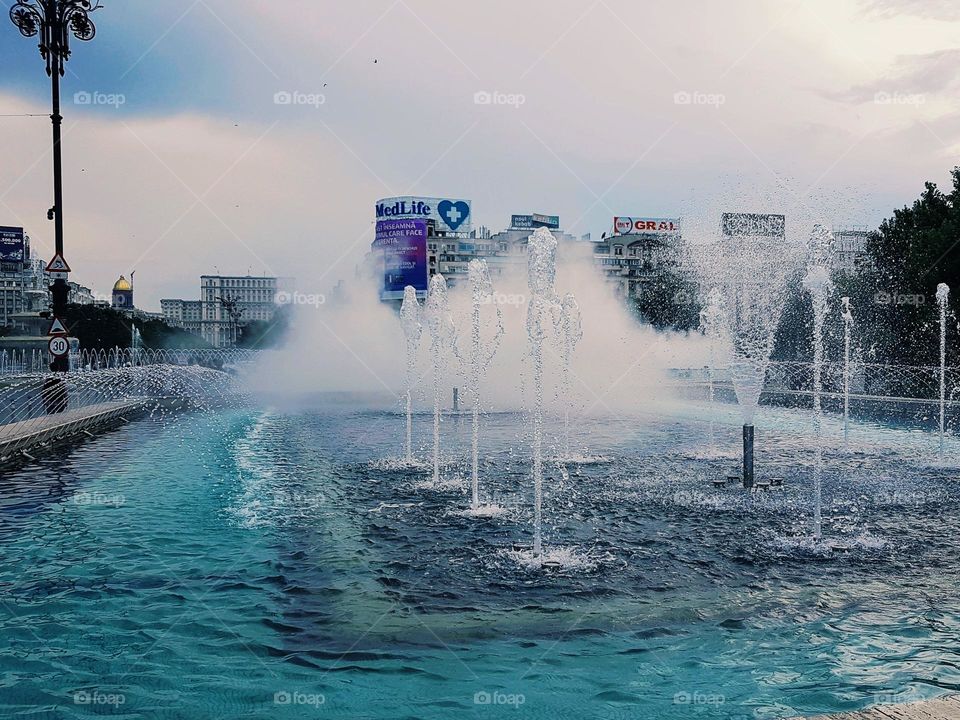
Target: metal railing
(20, 362)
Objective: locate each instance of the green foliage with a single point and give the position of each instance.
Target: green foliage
(669, 302)
(261, 335)
(101, 328)
(894, 297)
(157, 335)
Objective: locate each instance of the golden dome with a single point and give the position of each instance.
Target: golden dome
(122, 284)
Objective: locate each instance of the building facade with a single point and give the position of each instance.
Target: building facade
(122, 296)
(227, 303)
(638, 251)
(452, 242)
(183, 314)
(850, 249)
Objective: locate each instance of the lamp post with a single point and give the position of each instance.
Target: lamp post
(55, 21)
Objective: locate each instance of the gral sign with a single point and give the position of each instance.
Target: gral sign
(12, 245)
(646, 226)
(535, 221)
(404, 245)
(753, 225)
(448, 215)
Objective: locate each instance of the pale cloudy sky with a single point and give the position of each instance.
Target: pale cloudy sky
(630, 107)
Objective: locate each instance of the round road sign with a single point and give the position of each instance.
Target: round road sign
(59, 346)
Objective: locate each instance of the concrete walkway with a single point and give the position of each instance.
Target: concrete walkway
(25, 434)
(945, 708)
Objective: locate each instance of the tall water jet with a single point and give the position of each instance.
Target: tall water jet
(817, 283)
(943, 296)
(712, 320)
(440, 327)
(571, 331)
(847, 314)
(750, 267)
(541, 275)
(480, 356)
(410, 312)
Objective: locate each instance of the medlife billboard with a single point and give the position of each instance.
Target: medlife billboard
(12, 245)
(404, 245)
(450, 215)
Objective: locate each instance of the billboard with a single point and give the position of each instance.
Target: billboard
(646, 225)
(535, 220)
(753, 225)
(12, 245)
(404, 245)
(448, 214)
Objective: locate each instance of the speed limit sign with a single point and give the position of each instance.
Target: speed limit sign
(59, 346)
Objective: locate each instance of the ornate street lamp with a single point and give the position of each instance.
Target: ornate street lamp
(55, 21)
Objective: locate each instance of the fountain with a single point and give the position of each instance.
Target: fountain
(943, 296)
(750, 270)
(712, 319)
(817, 283)
(847, 315)
(571, 331)
(477, 360)
(410, 312)
(541, 275)
(440, 326)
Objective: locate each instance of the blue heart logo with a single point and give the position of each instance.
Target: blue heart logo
(454, 214)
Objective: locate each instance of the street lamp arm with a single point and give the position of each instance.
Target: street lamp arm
(55, 21)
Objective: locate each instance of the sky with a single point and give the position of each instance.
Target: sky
(179, 159)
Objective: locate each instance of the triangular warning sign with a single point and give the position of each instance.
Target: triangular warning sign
(58, 264)
(57, 328)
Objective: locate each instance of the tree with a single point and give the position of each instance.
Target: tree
(894, 296)
(669, 302)
(259, 334)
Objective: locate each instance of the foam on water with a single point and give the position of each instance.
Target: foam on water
(553, 559)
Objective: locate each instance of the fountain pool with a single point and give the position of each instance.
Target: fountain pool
(257, 564)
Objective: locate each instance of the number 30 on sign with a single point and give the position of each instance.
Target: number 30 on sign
(59, 346)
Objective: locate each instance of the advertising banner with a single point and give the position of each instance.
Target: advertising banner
(12, 245)
(448, 215)
(534, 221)
(753, 225)
(404, 246)
(646, 225)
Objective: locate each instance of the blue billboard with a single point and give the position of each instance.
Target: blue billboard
(12, 245)
(404, 245)
(535, 220)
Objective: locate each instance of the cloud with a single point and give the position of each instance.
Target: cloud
(938, 9)
(912, 75)
(627, 110)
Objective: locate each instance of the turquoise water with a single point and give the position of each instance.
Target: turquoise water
(260, 565)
